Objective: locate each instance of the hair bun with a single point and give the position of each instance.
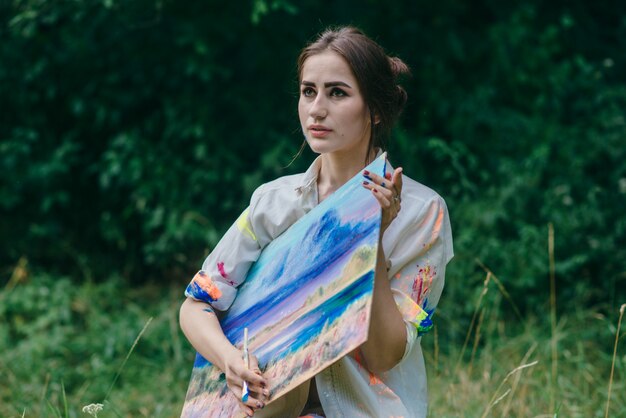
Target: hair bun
(401, 96)
(398, 67)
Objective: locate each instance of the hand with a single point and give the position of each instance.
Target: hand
(387, 191)
(236, 372)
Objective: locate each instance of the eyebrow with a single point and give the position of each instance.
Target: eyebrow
(329, 84)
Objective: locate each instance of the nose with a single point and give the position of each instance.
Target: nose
(319, 109)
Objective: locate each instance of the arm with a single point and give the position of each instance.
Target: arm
(214, 289)
(387, 332)
(415, 282)
(202, 328)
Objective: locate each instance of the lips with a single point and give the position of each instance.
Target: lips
(319, 131)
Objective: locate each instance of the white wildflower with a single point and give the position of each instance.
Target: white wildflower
(93, 409)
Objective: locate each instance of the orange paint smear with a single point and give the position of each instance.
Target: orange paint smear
(374, 380)
(437, 227)
(206, 284)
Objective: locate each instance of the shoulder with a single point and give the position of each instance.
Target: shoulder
(418, 199)
(284, 183)
(282, 188)
(275, 206)
(423, 218)
(423, 212)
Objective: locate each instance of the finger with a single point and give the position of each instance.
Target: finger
(253, 378)
(255, 390)
(376, 179)
(384, 202)
(260, 384)
(259, 394)
(396, 180)
(239, 372)
(380, 189)
(260, 388)
(254, 365)
(256, 395)
(253, 401)
(246, 410)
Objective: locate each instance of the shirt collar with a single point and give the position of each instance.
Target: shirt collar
(309, 179)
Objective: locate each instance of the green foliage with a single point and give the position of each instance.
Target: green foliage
(63, 345)
(133, 133)
(539, 138)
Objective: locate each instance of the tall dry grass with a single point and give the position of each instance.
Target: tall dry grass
(511, 370)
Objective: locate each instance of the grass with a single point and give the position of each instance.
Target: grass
(619, 324)
(511, 373)
(64, 346)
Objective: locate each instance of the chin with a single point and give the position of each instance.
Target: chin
(320, 146)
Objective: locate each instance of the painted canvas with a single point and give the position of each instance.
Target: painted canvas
(306, 301)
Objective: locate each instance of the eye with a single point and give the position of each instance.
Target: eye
(308, 92)
(337, 92)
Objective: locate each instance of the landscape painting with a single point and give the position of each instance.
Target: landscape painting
(306, 301)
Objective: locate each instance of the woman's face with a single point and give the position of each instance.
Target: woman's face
(333, 114)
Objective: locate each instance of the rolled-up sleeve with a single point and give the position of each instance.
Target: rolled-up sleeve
(227, 265)
(420, 255)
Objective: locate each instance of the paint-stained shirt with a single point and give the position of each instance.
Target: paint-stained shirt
(417, 247)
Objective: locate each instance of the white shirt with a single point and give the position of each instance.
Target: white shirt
(417, 247)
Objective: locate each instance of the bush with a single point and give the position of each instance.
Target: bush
(133, 135)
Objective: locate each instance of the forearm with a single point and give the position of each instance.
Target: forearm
(205, 334)
(387, 332)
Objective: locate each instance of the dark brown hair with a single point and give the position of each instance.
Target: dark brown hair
(376, 73)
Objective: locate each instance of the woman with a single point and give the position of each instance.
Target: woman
(349, 101)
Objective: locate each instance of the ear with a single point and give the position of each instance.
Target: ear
(376, 119)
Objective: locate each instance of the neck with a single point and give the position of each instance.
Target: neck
(336, 169)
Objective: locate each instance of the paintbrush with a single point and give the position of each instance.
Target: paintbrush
(246, 358)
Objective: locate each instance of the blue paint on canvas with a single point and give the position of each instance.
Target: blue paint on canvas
(305, 301)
